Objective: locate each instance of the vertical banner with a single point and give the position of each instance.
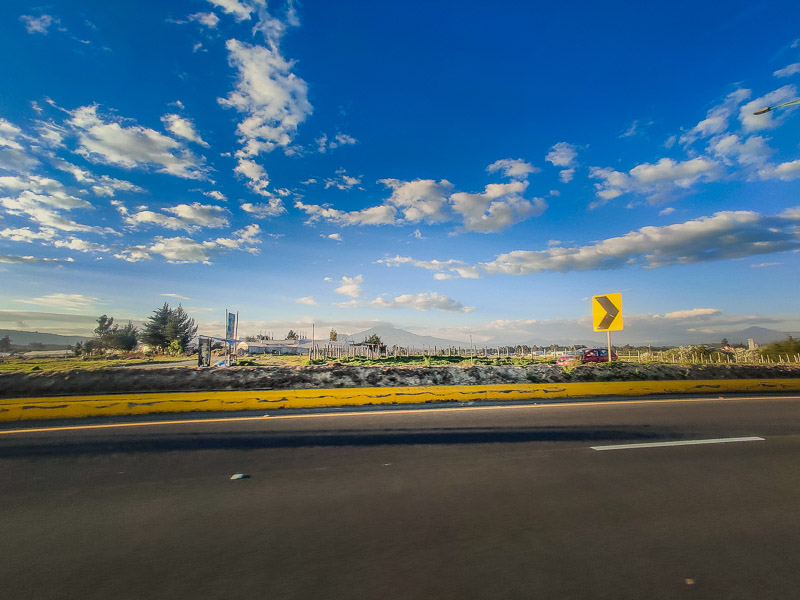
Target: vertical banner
(230, 330)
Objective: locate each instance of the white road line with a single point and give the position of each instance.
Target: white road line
(680, 443)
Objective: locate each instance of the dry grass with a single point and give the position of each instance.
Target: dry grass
(27, 365)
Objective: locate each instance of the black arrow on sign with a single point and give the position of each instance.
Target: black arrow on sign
(611, 312)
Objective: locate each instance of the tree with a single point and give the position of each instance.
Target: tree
(105, 327)
(5, 343)
(724, 343)
(333, 335)
(291, 335)
(125, 339)
(374, 339)
(109, 336)
(166, 325)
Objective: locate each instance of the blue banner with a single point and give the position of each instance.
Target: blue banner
(231, 328)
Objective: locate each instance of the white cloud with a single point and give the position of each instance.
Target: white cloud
(461, 268)
(186, 250)
(261, 211)
(178, 296)
(423, 302)
(340, 139)
(788, 70)
(752, 152)
(376, 215)
(132, 147)
(9, 134)
(717, 118)
(562, 154)
(206, 19)
(307, 300)
(258, 181)
(636, 128)
(336, 237)
(766, 264)
(667, 211)
(80, 245)
(183, 128)
(751, 122)
(566, 175)
(100, 186)
(274, 100)
(189, 217)
(43, 190)
(514, 168)
(693, 312)
(240, 11)
(787, 171)
(108, 186)
(38, 198)
(724, 235)
(9, 259)
(349, 304)
(64, 301)
(343, 139)
(658, 181)
(342, 181)
(350, 286)
(421, 199)
(216, 195)
(26, 234)
(499, 206)
(38, 24)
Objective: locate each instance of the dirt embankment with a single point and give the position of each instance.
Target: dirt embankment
(131, 379)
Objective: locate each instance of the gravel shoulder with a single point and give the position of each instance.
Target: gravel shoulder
(186, 379)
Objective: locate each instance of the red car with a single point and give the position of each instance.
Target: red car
(586, 355)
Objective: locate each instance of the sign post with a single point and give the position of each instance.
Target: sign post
(607, 315)
(231, 323)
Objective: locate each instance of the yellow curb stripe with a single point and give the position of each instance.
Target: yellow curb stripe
(126, 404)
(402, 411)
(20, 409)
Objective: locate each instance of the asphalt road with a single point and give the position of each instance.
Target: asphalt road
(458, 503)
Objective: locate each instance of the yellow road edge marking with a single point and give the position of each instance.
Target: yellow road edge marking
(405, 411)
(24, 409)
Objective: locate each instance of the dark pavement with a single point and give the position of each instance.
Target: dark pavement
(457, 503)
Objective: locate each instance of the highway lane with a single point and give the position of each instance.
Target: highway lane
(490, 502)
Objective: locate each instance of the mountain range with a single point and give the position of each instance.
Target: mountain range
(393, 336)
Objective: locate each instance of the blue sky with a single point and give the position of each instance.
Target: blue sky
(478, 171)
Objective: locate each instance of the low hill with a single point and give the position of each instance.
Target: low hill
(23, 338)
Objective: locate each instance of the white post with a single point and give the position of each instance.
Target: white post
(609, 345)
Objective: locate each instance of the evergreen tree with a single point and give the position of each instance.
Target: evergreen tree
(155, 328)
(374, 339)
(166, 325)
(5, 343)
(291, 335)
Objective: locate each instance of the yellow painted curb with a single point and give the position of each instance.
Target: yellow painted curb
(23, 409)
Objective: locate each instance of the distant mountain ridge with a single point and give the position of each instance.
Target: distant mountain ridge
(23, 338)
(392, 336)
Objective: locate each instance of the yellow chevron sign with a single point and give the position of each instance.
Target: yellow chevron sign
(607, 312)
